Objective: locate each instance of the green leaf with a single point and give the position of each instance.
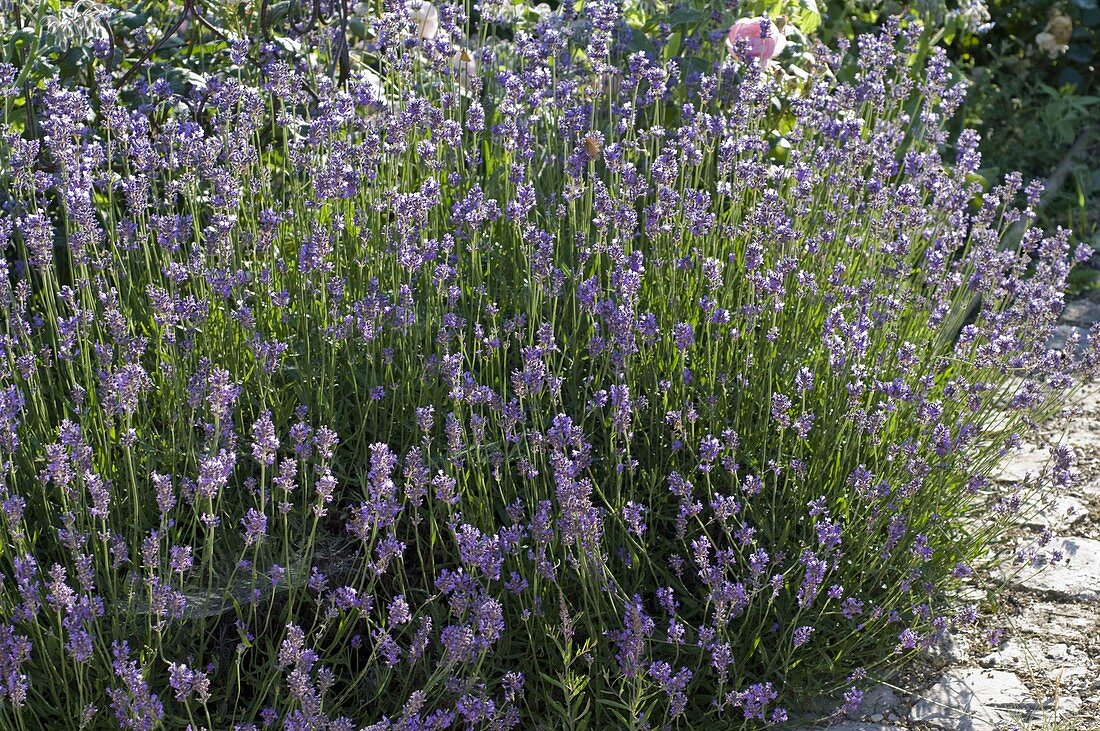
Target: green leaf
(673, 46)
(20, 38)
(133, 20)
(552, 680)
(1071, 77)
(287, 44)
(357, 27)
(41, 68)
(781, 150)
(184, 80)
(74, 61)
(685, 16)
(642, 42)
(798, 71)
(806, 17)
(950, 28)
(696, 63)
(1079, 52)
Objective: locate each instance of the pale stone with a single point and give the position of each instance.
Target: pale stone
(1054, 710)
(1088, 393)
(1057, 514)
(1061, 334)
(1081, 312)
(972, 699)
(1068, 705)
(1071, 623)
(1033, 656)
(1083, 436)
(969, 594)
(1090, 488)
(877, 701)
(950, 650)
(1076, 576)
(853, 726)
(1028, 462)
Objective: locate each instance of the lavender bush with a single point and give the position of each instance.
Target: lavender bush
(511, 384)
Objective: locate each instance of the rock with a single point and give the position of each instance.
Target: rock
(853, 726)
(1054, 710)
(1084, 437)
(1076, 576)
(1056, 661)
(1028, 461)
(951, 650)
(1090, 488)
(1088, 396)
(877, 701)
(969, 594)
(1061, 334)
(972, 699)
(1081, 312)
(1070, 623)
(1057, 514)
(1066, 705)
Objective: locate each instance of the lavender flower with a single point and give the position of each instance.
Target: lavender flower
(264, 441)
(255, 526)
(576, 329)
(802, 635)
(134, 705)
(634, 515)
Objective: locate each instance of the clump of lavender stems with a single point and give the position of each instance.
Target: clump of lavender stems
(529, 385)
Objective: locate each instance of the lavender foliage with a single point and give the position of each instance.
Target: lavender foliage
(527, 376)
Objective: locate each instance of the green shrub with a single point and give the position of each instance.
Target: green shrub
(508, 384)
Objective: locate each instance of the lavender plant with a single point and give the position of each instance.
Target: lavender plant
(511, 384)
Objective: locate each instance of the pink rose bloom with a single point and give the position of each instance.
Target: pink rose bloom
(764, 39)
